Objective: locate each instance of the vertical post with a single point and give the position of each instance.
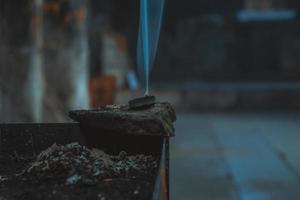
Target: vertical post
(79, 57)
(35, 82)
(66, 57)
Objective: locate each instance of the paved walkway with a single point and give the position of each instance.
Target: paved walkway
(236, 157)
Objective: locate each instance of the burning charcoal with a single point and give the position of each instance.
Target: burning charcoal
(142, 102)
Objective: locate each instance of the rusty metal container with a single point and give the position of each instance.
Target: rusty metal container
(28, 140)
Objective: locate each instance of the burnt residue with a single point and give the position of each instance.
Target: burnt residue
(75, 172)
(74, 164)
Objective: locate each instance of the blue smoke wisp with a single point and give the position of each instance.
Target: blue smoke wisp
(151, 12)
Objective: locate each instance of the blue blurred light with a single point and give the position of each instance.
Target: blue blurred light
(271, 15)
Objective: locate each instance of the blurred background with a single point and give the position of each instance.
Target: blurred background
(230, 68)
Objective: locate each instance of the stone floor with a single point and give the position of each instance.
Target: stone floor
(236, 156)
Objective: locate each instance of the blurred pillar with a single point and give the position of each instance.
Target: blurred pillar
(79, 57)
(66, 56)
(35, 87)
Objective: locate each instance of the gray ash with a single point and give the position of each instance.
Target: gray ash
(75, 164)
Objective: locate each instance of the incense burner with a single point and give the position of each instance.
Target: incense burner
(112, 129)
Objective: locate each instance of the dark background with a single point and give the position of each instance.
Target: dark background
(207, 59)
(203, 40)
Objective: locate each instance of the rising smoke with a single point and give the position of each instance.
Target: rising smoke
(151, 12)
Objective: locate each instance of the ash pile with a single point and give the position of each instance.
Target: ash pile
(74, 164)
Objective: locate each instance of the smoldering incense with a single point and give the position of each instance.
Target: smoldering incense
(145, 39)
